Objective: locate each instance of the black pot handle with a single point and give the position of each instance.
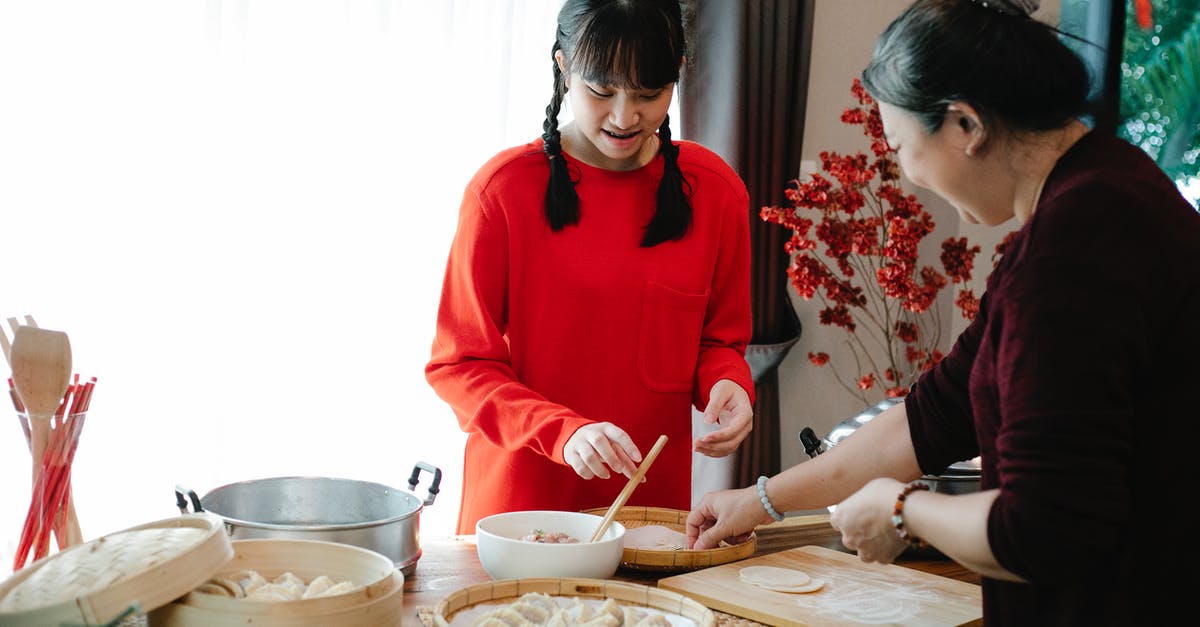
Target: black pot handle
(812, 444)
(182, 503)
(433, 487)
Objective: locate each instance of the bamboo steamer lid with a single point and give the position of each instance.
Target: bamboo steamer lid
(94, 582)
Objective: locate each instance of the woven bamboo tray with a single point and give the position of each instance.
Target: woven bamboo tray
(673, 560)
(378, 600)
(627, 594)
(91, 583)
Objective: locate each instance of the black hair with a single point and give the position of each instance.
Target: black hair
(1010, 67)
(634, 44)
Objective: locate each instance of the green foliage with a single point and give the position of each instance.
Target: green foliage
(1160, 82)
(1160, 90)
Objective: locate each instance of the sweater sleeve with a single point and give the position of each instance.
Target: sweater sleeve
(727, 322)
(470, 367)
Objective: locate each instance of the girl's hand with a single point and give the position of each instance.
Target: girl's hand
(729, 405)
(596, 448)
(865, 520)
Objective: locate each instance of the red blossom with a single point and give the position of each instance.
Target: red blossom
(838, 316)
(897, 392)
(907, 332)
(807, 274)
(1003, 246)
(958, 258)
(854, 245)
(860, 92)
(968, 304)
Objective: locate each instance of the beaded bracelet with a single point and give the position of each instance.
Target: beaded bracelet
(898, 515)
(766, 502)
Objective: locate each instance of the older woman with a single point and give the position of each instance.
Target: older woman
(1071, 383)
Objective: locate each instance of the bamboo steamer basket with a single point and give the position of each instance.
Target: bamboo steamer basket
(376, 601)
(142, 567)
(668, 560)
(148, 574)
(628, 594)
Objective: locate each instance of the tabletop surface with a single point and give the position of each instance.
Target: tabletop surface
(450, 563)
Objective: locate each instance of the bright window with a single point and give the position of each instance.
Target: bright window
(239, 211)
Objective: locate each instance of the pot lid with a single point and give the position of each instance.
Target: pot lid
(92, 583)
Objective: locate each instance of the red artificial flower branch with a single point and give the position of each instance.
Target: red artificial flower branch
(854, 247)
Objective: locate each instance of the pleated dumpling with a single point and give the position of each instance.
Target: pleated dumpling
(342, 587)
(317, 587)
(652, 620)
(504, 616)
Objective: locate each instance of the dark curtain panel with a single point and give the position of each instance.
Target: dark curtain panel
(743, 95)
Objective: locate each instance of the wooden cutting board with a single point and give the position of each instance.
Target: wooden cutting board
(855, 592)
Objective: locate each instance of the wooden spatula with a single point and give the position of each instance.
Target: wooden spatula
(41, 371)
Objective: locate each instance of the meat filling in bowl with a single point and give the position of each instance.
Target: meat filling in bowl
(538, 535)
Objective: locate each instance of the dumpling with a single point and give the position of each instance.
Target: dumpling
(317, 587)
(291, 582)
(613, 609)
(506, 616)
(249, 580)
(561, 618)
(342, 587)
(652, 620)
(541, 600)
(273, 592)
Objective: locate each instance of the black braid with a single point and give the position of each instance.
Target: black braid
(562, 202)
(674, 213)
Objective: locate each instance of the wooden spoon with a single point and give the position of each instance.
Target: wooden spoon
(633, 483)
(41, 371)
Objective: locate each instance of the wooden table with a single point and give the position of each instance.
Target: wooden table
(450, 563)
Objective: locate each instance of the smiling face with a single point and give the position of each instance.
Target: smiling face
(615, 126)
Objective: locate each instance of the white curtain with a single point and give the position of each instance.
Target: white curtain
(239, 212)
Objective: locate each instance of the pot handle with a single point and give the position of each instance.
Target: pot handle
(182, 503)
(812, 444)
(433, 487)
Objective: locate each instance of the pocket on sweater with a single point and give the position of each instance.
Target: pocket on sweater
(669, 337)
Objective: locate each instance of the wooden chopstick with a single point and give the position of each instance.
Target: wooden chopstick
(633, 483)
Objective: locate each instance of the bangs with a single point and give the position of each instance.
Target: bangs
(629, 49)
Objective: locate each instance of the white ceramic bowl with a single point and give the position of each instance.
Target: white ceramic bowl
(505, 555)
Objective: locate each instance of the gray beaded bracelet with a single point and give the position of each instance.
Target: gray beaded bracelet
(766, 502)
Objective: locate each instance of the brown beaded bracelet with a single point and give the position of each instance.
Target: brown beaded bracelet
(898, 515)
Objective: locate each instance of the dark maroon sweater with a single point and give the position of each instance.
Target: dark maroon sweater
(1076, 384)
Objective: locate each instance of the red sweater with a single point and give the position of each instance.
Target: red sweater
(540, 333)
(1075, 383)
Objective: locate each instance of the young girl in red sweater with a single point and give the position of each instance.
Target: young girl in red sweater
(597, 286)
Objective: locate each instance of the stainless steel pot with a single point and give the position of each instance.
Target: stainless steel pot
(960, 478)
(369, 515)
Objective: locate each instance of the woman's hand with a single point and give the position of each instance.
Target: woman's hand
(729, 405)
(728, 515)
(865, 520)
(596, 448)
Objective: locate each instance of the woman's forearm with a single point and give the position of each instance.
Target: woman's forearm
(957, 526)
(880, 448)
